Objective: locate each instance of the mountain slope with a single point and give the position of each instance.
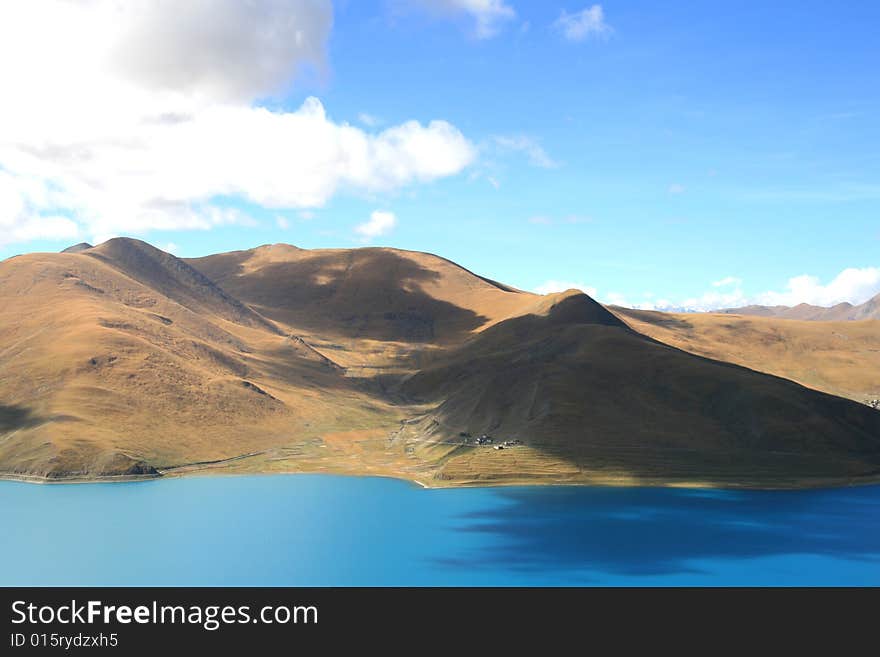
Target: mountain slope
(118, 364)
(122, 360)
(77, 248)
(578, 385)
(369, 293)
(174, 279)
(868, 310)
(841, 358)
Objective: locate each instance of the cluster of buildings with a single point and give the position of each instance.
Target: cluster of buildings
(487, 440)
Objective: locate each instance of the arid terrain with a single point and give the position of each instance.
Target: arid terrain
(838, 357)
(840, 312)
(123, 361)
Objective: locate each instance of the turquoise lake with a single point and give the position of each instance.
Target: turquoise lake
(321, 530)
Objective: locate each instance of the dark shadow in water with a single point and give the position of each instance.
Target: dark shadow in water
(662, 531)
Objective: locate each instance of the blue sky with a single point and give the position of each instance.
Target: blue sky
(665, 154)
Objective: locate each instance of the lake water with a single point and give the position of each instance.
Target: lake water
(325, 530)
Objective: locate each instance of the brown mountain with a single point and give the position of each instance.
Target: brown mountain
(369, 293)
(841, 312)
(122, 360)
(593, 393)
(838, 357)
(76, 248)
(868, 310)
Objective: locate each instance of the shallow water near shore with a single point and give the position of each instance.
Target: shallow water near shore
(325, 530)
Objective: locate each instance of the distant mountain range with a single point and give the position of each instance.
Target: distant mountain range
(841, 312)
(123, 361)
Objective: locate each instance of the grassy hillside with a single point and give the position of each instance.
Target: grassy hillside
(578, 385)
(111, 367)
(121, 360)
(840, 358)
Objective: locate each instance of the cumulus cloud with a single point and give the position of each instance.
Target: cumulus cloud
(488, 16)
(102, 135)
(380, 223)
(851, 285)
(529, 146)
(228, 48)
(221, 49)
(727, 281)
(581, 25)
(552, 286)
(713, 300)
(35, 228)
(617, 299)
(20, 221)
(369, 120)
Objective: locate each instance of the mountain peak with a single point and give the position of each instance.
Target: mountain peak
(76, 248)
(843, 311)
(174, 278)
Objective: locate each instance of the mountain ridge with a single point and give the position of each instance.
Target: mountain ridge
(840, 312)
(121, 360)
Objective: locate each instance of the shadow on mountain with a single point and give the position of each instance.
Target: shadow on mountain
(578, 386)
(364, 293)
(668, 531)
(175, 279)
(653, 317)
(13, 418)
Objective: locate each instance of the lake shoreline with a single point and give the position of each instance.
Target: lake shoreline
(608, 481)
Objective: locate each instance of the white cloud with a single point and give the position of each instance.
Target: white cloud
(530, 147)
(282, 222)
(38, 227)
(851, 285)
(218, 49)
(20, 217)
(676, 188)
(369, 120)
(552, 286)
(111, 135)
(615, 299)
(170, 247)
(380, 223)
(712, 301)
(727, 281)
(224, 48)
(708, 301)
(489, 16)
(589, 22)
